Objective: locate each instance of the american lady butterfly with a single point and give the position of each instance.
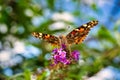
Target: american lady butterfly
(74, 37)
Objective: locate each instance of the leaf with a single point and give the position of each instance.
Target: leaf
(27, 75)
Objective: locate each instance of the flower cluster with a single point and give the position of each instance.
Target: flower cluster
(60, 55)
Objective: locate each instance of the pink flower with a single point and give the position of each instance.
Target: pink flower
(60, 55)
(75, 54)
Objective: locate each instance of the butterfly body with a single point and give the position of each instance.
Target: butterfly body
(63, 40)
(74, 37)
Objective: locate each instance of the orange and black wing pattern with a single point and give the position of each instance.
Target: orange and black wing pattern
(46, 37)
(79, 34)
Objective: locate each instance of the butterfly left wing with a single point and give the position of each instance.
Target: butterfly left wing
(48, 38)
(79, 34)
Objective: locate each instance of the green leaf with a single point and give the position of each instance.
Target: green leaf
(27, 75)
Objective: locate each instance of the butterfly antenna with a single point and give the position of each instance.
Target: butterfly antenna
(68, 27)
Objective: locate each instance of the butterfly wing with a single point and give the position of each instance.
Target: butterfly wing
(79, 34)
(46, 37)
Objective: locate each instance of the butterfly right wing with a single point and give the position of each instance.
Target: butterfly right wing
(79, 34)
(46, 37)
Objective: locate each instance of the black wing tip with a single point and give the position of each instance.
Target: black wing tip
(95, 21)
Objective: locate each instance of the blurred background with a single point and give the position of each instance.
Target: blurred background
(21, 54)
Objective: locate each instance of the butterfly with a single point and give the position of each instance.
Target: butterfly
(76, 36)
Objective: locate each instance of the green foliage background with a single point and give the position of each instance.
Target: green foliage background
(20, 26)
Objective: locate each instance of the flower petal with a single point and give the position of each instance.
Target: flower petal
(75, 54)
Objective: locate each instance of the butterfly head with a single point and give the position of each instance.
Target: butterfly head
(62, 40)
(61, 36)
